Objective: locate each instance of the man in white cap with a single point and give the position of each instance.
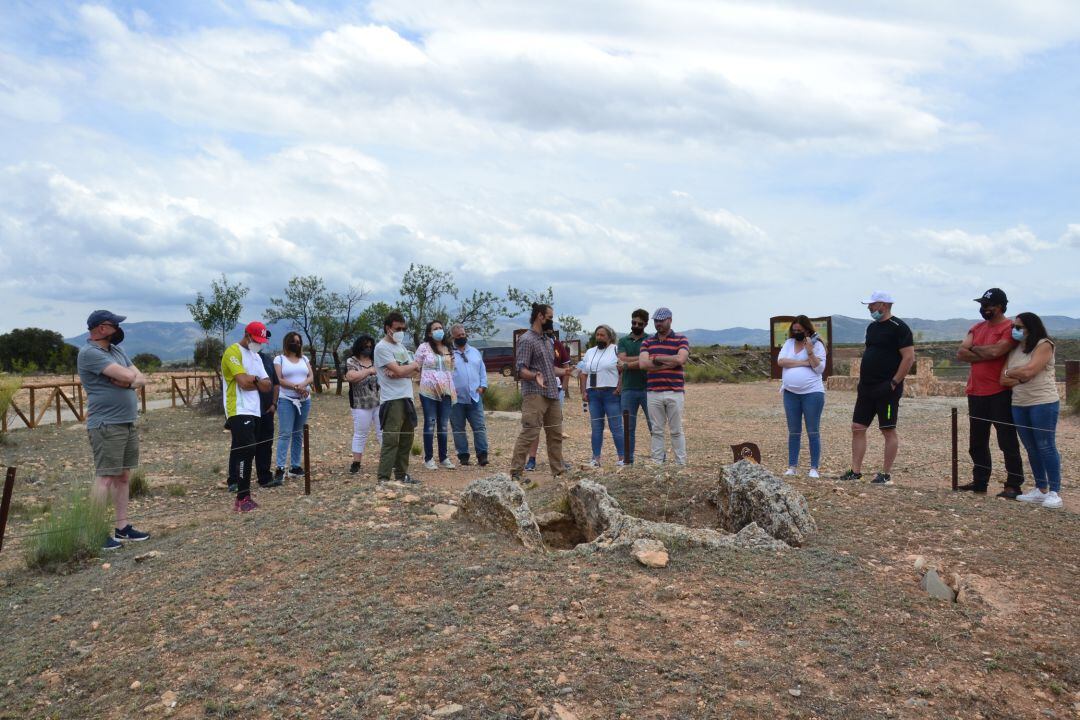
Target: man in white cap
(889, 354)
(245, 376)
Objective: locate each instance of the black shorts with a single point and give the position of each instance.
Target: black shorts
(880, 401)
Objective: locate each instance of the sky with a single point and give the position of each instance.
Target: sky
(729, 160)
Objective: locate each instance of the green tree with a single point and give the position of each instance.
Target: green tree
(208, 352)
(520, 300)
(370, 320)
(302, 305)
(36, 348)
(147, 362)
(423, 289)
(570, 326)
(223, 310)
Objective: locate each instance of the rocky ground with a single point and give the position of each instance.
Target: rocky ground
(371, 602)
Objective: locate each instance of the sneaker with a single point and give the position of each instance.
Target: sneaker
(447, 464)
(296, 471)
(276, 482)
(1010, 493)
(813, 473)
(246, 505)
(620, 463)
(355, 467)
(1052, 500)
(408, 479)
(882, 479)
(1034, 495)
(463, 460)
(279, 474)
(530, 464)
(129, 533)
(481, 460)
(567, 467)
(431, 465)
(851, 475)
(789, 472)
(233, 488)
(112, 543)
(595, 462)
(972, 488)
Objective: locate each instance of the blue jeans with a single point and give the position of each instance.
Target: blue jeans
(1037, 426)
(631, 401)
(798, 408)
(604, 402)
(474, 414)
(291, 423)
(435, 411)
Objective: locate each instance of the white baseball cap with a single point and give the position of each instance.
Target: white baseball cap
(878, 296)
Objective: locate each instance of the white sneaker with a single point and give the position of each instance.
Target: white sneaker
(430, 464)
(1052, 500)
(790, 471)
(619, 463)
(594, 463)
(813, 473)
(448, 464)
(1034, 495)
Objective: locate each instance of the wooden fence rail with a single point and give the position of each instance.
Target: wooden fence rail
(201, 388)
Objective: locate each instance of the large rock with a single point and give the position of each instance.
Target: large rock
(749, 493)
(499, 503)
(594, 510)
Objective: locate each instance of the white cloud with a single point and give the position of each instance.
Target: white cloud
(1008, 247)
(282, 12)
(1071, 238)
(926, 275)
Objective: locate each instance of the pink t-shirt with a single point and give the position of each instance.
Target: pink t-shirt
(985, 377)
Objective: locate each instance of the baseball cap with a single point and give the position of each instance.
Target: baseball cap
(993, 296)
(103, 316)
(258, 332)
(878, 296)
(661, 314)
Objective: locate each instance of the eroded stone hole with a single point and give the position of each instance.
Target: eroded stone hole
(559, 531)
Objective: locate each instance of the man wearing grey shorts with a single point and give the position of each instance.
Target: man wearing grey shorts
(111, 381)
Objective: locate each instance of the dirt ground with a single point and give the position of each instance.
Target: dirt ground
(353, 604)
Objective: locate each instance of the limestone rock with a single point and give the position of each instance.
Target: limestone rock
(561, 712)
(747, 492)
(936, 587)
(594, 510)
(499, 503)
(444, 511)
(650, 553)
(447, 710)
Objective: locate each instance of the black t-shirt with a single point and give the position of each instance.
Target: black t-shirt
(882, 355)
(267, 398)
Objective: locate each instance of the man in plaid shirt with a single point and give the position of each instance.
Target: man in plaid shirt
(540, 407)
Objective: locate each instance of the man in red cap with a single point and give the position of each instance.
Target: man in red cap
(244, 376)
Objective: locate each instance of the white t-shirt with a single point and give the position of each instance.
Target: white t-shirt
(292, 372)
(392, 388)
(605, 363)
(802, 380)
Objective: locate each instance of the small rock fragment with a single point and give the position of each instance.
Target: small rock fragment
(147, 556)
(444, 511)
(794, 692)
(650, 553)
(135, 685)
(410, 498)
(936, 587)
(447, 710)
(561, 712)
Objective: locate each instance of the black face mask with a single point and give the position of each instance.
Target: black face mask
(548, 326)
(366, 351)
(461, 342)
(295, 347)
(601, 344)
(117, 337)
(800, 335)
(986, 313)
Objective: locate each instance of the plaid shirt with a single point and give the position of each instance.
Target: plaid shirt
(536, 352)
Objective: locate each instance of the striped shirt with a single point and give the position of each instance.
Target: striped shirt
(666, 379)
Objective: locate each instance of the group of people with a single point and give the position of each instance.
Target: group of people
(1011, 388)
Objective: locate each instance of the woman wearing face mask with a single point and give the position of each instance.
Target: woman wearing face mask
(1029, 371)
(294, 403)
(437, 392)
(363, 396)
(803, 361)
(600, 382)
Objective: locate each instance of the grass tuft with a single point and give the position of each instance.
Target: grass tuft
(502, 397)
(75, 532)
(9, 385)
(138, 485)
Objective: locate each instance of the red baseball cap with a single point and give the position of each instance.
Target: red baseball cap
(258, 332)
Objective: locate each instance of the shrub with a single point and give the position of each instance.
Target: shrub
(502, 397)
(9, 385)
(138, 485)
(176, 490)
(208, 352)
(147, 362)
(707, 373)
(416, 449)
(76, 532)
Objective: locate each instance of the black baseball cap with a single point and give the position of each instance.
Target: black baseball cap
(103, 316)
(993, 296)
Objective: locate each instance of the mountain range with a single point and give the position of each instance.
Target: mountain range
(175, 341)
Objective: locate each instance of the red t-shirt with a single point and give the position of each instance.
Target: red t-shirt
(986, 376)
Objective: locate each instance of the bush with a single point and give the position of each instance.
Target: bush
(147, 362)
(502, 397)
(416, 449)
(707, 373)
(9, 385)
(208, 352)
(31, 349)
(76, 532)
(138, 485)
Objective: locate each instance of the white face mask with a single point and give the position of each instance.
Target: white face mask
(399, 336)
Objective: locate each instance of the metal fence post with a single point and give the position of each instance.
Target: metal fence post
(5, 504)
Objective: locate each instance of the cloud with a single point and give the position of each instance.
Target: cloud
(925, 275)
(282, 12)
(1013, 246)
(1071, 238)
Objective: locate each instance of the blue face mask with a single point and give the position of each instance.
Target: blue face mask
(438, 335)
(877, 315)
(1018, 335)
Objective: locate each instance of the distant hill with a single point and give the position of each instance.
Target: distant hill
(175, 341)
